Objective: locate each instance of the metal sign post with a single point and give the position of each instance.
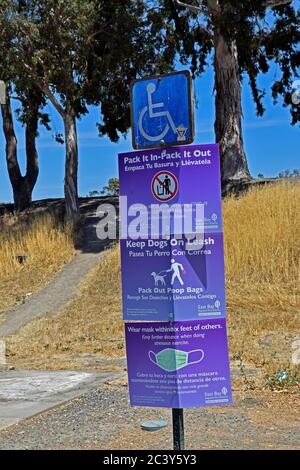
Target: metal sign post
(178, 428)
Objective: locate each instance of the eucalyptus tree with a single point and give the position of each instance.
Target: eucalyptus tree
(246, 38)
(79, 53)
(29, 112)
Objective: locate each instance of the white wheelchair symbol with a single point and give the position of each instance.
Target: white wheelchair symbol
(180, 131)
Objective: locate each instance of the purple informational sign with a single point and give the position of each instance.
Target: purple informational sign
(174, 175)
(178, 365)
(167, 281)
(165, 277)
(173, 279)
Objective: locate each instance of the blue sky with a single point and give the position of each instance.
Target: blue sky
(271, 143)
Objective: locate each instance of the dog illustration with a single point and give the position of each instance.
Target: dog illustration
(158, 278)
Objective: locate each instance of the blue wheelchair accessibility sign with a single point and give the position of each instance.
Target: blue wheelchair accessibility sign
(162, 111)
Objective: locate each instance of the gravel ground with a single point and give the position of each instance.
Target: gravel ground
(103, 419)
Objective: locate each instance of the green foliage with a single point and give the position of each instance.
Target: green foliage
(284, 378)
(112, 188)
(93, 193)
(264, 36)
(29, 96)
(289, 174)
(134, 38)
(83, 52)
(249, 384)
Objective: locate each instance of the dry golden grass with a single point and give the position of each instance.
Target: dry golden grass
(90, 324)
(47, 245)
(262, 271)
(262, 253)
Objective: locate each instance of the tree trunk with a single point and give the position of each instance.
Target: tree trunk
(71, 166)
(22, 194)
(22, 185)
(228, 124)
(32, 158)
(11, 144)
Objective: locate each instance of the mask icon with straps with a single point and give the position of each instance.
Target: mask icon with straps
(174, 359)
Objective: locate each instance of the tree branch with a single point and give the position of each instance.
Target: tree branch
(275, 3)
(185, 5)
(2, 92)
(213, 5)
(57, 106)
(44, 87)
(18, 98)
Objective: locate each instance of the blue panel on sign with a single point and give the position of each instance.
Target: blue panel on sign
(162, 111)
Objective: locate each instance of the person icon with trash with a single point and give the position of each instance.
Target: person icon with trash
(167, 184)
(164, 187)
(176, 269)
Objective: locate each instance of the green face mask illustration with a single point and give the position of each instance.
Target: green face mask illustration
(174, 359)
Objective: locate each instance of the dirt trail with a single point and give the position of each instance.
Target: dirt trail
(63, 287)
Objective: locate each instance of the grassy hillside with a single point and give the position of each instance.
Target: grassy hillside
(262, 254)
(47, 246)
(262, 250)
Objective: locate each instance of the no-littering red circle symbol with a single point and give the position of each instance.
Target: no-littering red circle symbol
(164, 186)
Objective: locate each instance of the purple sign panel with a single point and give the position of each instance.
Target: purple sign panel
(182, 175)
(171, 227)
(178, 365)
(164, 280)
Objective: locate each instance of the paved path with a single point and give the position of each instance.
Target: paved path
(23, 394)
(63, 287)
